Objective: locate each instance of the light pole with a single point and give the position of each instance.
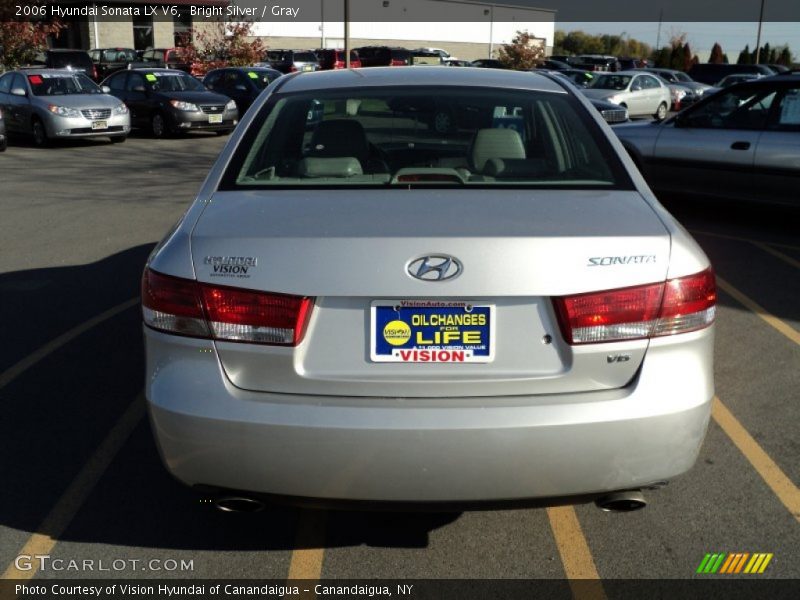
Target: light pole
(346, 34)
(758, 39)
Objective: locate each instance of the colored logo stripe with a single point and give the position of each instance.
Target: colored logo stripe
(724, 563)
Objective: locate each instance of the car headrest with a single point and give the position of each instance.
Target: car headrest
(495, 143)
(340, 137)
(344, 166)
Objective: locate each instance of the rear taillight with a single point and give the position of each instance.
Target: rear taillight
(94, 72)
(675, 306)
(292, 69)
(339, 64)
(186, 307)
(396, 62)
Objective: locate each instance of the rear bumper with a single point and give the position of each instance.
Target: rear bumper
(428, 450)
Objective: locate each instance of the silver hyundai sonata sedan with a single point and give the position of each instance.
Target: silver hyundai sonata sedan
(360, 305)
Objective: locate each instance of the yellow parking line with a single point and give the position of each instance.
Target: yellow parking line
(309, 546)
(26, 363)
(777, 254)
(786, 491)
(67, 506)
(742, 239)
(575, 554)
(769, 318)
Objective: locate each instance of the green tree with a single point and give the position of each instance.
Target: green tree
(21, 40)
(717, 57)
(523, 53)
(785, 57)
(745, 58)
(580, 42)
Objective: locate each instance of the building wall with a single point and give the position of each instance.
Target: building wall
(111, 34)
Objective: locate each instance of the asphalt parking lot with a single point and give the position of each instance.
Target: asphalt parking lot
(82, 478)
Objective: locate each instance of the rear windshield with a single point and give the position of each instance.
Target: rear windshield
(305, 57)
(59, 60)
(424, 137)
(119, 55)
(65, 84)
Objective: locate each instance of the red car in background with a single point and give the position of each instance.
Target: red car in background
(334, 59)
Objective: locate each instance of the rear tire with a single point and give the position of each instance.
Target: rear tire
(40, 139)
(661, 112)
(3, 145)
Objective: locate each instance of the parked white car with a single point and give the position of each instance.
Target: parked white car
(641, 93)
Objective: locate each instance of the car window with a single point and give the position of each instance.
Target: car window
(62, 84)
(211, 79)
(117, 82)
(650, 82)
(744, 108)
(788, 114)
(400, 137)
(611, 82)
(135, 80)
(5, 83)
(95, 54)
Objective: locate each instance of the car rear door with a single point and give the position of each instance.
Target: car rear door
(776, 170)
(711, 147)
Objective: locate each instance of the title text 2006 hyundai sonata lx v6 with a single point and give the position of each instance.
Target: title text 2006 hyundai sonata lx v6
(361, 305)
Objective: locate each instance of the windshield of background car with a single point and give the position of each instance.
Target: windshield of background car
(58, 84)
(173, 82)
(261, 78)
(611, 82)
(428, 137)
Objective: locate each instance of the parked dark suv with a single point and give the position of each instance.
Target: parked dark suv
(167, 58)
(110, 60)
(384, 56)
(76, 60)
(291, 61)
(713, 73)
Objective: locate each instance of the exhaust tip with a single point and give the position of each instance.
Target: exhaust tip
(238, 504)
(626, 501)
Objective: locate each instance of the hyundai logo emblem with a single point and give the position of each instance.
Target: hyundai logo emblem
(434, 267)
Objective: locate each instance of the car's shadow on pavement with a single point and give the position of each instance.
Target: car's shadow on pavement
(58, 411)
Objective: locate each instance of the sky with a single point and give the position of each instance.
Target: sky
(701, 36)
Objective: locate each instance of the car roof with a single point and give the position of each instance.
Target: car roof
(149, 69)
(39, 71)
(420, 76)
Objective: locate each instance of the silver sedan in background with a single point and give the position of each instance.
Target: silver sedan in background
(742, 143)
(643, 94)
(359, 306)
(53, 104)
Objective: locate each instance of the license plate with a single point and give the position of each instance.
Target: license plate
(99, 124)
(307, 68)
(421, 331)
(215, 118)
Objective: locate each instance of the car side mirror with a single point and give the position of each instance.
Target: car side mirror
(18, 92)
(105, 89)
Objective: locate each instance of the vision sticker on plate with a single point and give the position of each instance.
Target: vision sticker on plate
(431, 331)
